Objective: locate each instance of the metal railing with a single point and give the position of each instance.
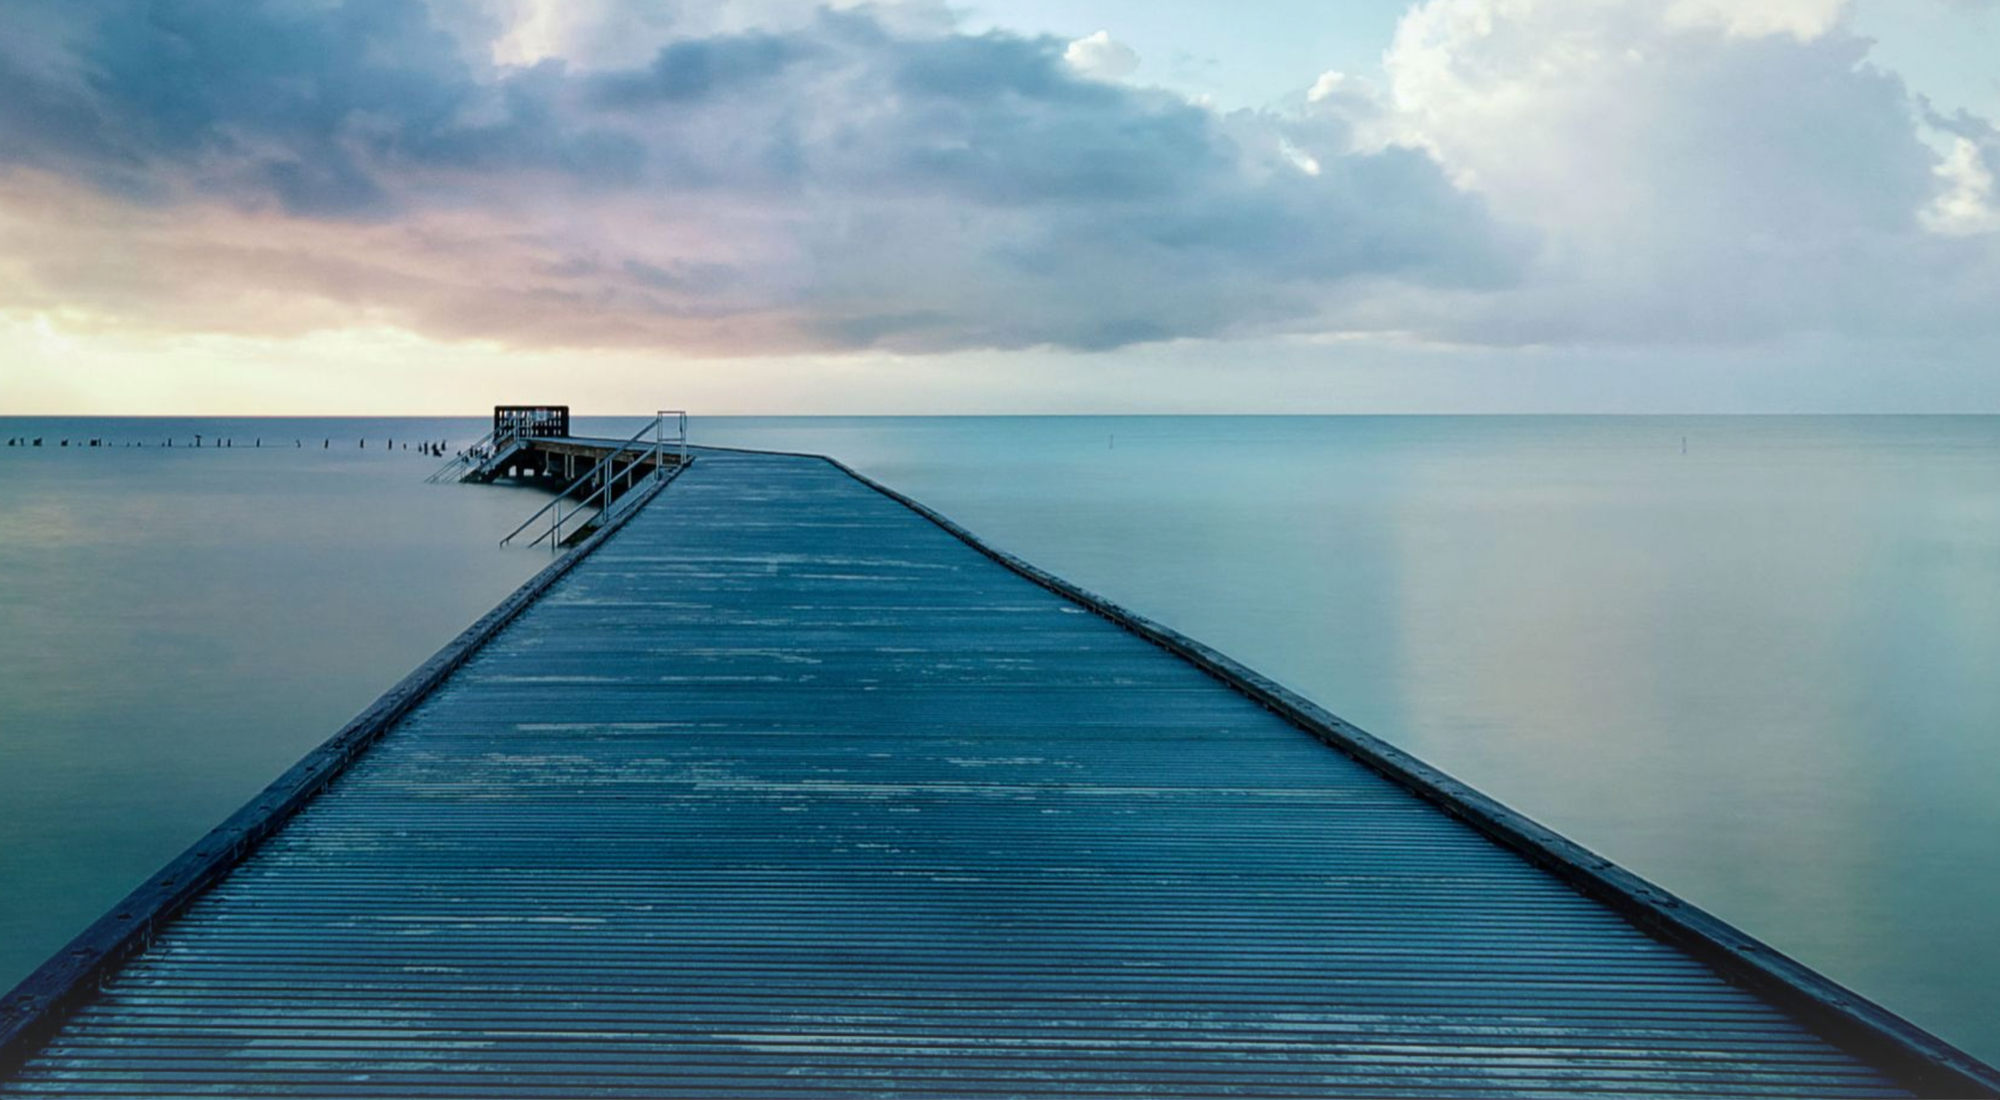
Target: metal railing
(505, 442)
(492, 447)
(607, 474)
(457, 463)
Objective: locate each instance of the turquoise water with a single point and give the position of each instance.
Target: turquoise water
(1759, 671)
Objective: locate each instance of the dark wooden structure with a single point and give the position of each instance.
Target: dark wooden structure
(783, 785)
(542, 420)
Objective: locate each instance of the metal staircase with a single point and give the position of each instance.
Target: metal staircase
(610, 481)
(513, 427)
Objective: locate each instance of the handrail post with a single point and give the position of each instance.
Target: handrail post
(604, 476)
(458, 462)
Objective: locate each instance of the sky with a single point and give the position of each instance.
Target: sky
(1011, 206)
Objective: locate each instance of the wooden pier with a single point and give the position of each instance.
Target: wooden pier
(781, 786)
(533, 443)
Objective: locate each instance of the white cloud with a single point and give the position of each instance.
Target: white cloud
(1101, 57)
(1333, 85)
(1802, 19)
(1299, 158)
(1967, 205)
(1686, 184)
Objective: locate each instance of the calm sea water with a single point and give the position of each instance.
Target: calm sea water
(1763, 671)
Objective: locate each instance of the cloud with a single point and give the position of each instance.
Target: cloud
(1101, 56)
(779, 176)
(1693, 174)
(1968, 204)
(1802, 19)
(700, 70)
(830, 179)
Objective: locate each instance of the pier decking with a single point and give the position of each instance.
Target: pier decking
(785, 790)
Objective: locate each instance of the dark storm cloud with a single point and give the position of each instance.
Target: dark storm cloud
(687, 72)
(835, 182)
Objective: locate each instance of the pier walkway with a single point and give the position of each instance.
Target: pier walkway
(786, 791)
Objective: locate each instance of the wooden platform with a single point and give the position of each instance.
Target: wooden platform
(784, 790)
